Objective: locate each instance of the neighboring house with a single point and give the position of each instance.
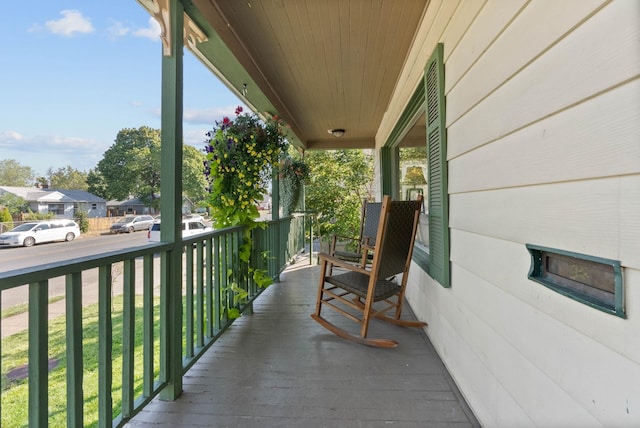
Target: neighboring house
(63, 203)
(136, 206)
(128, 207)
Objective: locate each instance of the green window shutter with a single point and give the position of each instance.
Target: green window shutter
(438, 197)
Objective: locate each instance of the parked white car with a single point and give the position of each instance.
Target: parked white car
(190, 227)
(29, 234)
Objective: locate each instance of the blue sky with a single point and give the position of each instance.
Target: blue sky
(74, 73)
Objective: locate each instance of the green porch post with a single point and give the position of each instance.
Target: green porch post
(171, 203)
(389, 167)
(275, 216)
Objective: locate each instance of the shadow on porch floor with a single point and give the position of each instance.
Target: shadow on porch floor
(279, 368)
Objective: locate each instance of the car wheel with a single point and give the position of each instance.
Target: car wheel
(29, 241)
(70, 237)
(131, 229)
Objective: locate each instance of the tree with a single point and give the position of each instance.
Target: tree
(96, 184)
(15, 204)
(194, 182)
(131, 167)
(14, 174)
(340, 180)
(6, 219)
(67, 178)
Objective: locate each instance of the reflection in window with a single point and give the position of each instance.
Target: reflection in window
(413, 166)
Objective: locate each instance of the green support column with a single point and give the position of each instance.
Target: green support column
(275, 197)
(171, 203)
(275, 215)
(389, 170)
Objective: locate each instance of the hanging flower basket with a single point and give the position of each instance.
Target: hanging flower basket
(240, 157)
(241, 154)
(293, 175)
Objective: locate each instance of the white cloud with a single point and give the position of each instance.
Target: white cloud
(117, 29)
(72, 22)
(152, 31)
(40, 145)
(10, 138)
(195, 137)
(41, 152)
(207, 116)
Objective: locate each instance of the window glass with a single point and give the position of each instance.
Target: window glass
(413, 182)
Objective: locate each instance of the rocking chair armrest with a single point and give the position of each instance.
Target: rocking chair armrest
(367, 247)
(343, 264)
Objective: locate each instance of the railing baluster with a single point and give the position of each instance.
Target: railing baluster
(0, 353)
(105, 344)
(75, 366)
(148, 323)
(188, 330)
(38, 354)
(202, 265)
(213, 288)
(222, 294)
(128, 335)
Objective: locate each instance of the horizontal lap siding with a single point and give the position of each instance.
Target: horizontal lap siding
(596, 56)
(543, 108)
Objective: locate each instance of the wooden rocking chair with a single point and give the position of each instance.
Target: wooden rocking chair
(367, 237)
(364, 292)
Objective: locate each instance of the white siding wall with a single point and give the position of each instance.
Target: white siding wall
(543, 115)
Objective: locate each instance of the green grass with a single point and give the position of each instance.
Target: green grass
(15, 354)
(24, 307)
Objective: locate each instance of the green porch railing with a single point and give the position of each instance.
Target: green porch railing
(127, 326)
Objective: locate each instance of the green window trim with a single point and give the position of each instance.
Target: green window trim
(428, 97)
(420, 256)
(582, 278)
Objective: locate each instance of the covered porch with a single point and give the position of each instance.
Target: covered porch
(278, 367)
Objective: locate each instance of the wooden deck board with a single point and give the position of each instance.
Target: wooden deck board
(279, 368)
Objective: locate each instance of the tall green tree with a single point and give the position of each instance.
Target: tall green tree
(131, 167)
(340, 180)
(67, 178)
(96, 184)
(15, 204)
(12, 173)
(194, 183)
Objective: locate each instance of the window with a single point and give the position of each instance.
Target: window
(423, 120)
(57, 209)
(591, 280)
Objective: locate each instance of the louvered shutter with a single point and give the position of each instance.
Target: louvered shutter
(438, 197)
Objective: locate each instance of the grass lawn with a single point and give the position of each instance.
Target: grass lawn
(15, 354)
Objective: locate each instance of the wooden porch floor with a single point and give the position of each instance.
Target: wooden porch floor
(279, 368)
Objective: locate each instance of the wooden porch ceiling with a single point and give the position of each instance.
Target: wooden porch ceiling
(320, 65)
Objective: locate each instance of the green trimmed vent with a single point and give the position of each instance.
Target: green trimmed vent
(594, 281)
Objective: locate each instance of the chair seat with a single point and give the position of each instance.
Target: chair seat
(358, 284)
